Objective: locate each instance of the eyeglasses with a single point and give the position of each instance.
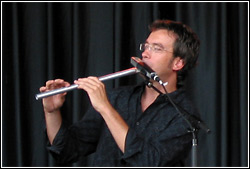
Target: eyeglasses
(152, 47)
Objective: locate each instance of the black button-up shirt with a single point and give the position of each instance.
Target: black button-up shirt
(157, 137)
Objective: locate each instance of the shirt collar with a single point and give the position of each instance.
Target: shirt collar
(177, 95)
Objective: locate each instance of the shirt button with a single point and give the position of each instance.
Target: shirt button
(137, 123)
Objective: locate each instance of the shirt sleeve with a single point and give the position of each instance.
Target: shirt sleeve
(171, 145)
(76, 140)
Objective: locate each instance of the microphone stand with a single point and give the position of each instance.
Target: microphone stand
(194, 123)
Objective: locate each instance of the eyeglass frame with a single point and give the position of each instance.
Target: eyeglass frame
(151, 47)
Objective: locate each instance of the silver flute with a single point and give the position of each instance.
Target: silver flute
(115, 75)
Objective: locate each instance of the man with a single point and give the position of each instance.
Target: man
(131, 126)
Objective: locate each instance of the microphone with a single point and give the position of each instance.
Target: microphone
(144, 69)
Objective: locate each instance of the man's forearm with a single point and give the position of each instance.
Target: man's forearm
(117, 126)
(53, 124)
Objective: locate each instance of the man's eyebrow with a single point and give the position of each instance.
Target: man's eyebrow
(158, 44)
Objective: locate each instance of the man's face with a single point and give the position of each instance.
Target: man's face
(159, 60)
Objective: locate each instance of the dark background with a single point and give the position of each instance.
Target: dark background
(42, 41)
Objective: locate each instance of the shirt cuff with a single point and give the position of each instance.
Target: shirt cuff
(58, 142)
(133, 144)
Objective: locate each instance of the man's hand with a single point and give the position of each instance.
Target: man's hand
(54, 103)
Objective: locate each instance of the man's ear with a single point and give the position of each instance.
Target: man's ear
(178, 64)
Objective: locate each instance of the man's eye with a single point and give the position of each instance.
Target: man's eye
(157, 48)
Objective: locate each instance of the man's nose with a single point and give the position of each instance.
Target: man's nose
(146, 53)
